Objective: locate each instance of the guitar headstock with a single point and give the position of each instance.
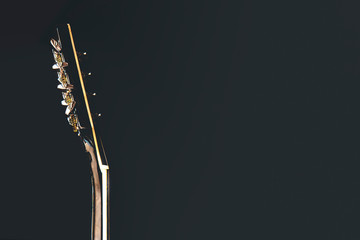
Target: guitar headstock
(71, 84)
(78, 112)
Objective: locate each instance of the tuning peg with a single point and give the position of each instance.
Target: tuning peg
(68, 101)
(60, 65)
(64, 80)
(56, 44)
(68, 87)
(59, 60)
(86, 75)
(81, 54)
(74, 122)
(91, 94)
(98, 115)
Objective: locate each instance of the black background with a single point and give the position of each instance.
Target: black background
(221, 119)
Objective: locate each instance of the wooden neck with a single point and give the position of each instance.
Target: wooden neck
(99, 223)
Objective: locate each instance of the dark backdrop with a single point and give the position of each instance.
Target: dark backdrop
(221, 119)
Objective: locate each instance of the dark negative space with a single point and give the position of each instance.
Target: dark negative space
(221, 119)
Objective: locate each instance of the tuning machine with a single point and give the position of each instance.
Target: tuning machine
(68, 101)
(91, 94)
(73, 120)
(82, 56)
(56, 44)
(86, 75)
(97, 115)
(59, 60)
(64, 80)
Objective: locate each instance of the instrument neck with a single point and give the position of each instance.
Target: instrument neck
(100, 195)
